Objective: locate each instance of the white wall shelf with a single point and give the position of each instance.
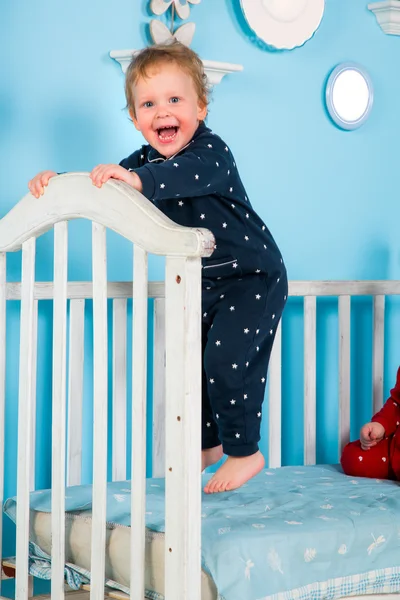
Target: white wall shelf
(215, 71)
(387, 13)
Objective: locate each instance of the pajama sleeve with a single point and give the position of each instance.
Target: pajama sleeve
(202, 169)
(389, 415)
(134, 161)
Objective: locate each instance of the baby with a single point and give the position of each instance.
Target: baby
(377, 453)
(190, 174)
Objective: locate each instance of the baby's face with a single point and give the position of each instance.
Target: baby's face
(168, 109)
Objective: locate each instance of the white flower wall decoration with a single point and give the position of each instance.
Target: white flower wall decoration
(160, 32)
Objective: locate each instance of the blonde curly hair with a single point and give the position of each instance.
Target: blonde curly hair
(168, 53)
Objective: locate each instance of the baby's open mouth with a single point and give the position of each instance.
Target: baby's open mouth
(167, 134)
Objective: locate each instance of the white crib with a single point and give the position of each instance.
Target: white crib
(177, 373)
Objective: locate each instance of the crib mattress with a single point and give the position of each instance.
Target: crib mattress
(293, 533)
(78, 550)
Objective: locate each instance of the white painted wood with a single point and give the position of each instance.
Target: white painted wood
(2, 383)
(310, 376)
(139, 389)
(156, 289)
(26, 361)
(214, 70)
(275, 402)
(338, 288)
(378, 352)
(344, 371)
(75, 390)
(100, 411)
(119, 390)
(59, 410)
(44, 290)
(387, 13)
(32, 468)
(116, 205)
(183, 435)
(159, 389)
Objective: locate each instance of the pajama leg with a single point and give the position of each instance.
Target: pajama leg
(237, 351)
(373, 463)
(210, 437)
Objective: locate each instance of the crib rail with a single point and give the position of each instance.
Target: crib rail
(123, 210)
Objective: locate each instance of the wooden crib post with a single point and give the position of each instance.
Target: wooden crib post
(183, 429)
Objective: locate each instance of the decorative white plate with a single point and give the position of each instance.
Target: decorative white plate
(283, 24)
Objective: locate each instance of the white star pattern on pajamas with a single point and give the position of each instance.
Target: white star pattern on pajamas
(235, 261)
(142, 156)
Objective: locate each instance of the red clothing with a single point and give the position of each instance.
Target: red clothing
(383, 460)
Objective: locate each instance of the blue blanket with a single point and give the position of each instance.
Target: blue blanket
(290, 533)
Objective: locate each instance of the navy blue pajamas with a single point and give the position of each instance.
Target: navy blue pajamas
(244, 282)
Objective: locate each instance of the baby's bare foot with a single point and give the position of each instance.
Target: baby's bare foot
(211, 456)
(235, 472)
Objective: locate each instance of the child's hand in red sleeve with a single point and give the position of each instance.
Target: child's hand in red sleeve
(371, 434)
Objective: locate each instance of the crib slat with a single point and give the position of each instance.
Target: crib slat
(100, 412)
(183, 418)
(59, 409)
(33, 420)
(119, 390)
(275, 402)
(75, 390)
(26, 361)
(344, 371)
(138, 477)
(310, 374)
(159, 389)
(378, 352)
(2, 382)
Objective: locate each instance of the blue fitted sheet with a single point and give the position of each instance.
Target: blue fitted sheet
(290, 533)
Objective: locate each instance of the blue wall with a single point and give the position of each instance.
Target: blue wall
(330, 197)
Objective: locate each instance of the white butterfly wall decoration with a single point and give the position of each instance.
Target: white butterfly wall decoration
(160, 32)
